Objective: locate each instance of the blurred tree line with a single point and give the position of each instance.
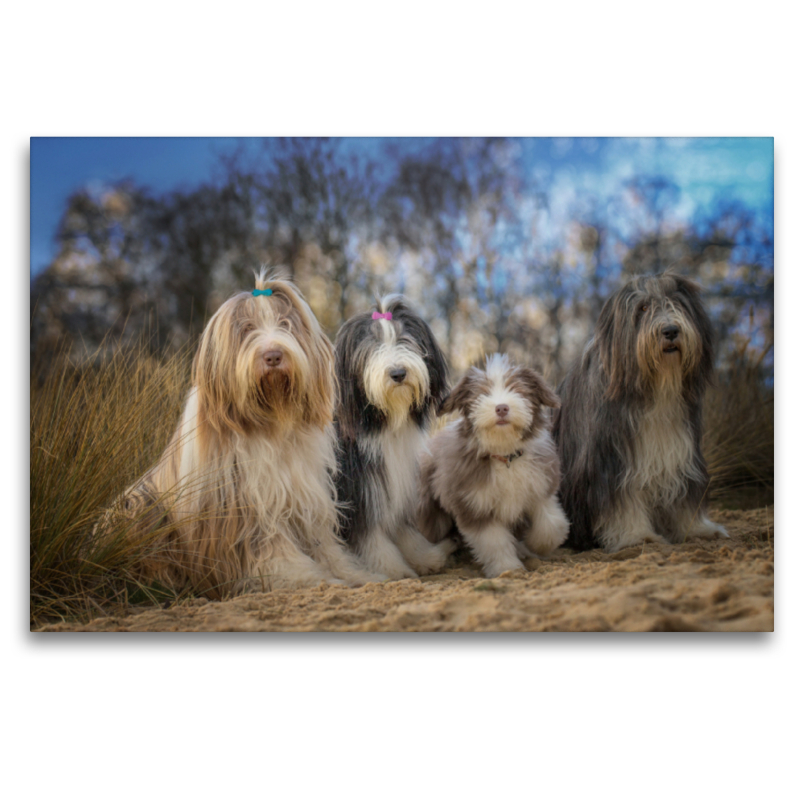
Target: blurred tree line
(489, 256)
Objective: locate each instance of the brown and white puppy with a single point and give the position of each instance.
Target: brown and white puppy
(243, 495)
(494, 472)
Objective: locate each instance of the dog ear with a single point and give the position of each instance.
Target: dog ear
(610, 330)
(437, 366)
(698, 377)
(432, 354)
(321, 391)
(350, 398)
(213, 373)
(459, 398)
(536, 388)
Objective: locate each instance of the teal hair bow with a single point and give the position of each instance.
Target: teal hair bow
(265, 292)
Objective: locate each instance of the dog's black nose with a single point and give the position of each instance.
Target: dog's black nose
(671, 332)
(501, 410)
(398, 374)
(273, 358)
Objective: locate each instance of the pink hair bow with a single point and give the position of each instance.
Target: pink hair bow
(378, 315)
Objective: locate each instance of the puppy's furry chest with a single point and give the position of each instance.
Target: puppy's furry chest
(509, 490)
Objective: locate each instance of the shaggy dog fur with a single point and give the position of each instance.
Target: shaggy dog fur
(244, 491)
(494, 473)
(391, 376)
(630, 425)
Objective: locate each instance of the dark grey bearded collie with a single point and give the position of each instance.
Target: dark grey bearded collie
(630, 426)
(392, 376)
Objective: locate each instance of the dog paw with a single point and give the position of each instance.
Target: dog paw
(545, 549)
(400, 574)
(436, 562)
(448, 546)
(709, 530)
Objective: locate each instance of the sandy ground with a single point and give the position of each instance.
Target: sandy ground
(719, 585)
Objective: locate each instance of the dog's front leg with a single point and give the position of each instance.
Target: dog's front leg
(420, 553)
(493, 546)
(628, 525)
(549, 527)
(287, 568)
(382, 555)
(347, 566)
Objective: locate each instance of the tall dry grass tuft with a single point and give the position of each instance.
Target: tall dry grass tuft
(95, 427)
(740, 431)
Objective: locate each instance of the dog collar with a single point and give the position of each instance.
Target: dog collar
(507, 459)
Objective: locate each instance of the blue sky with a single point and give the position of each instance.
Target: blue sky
(60, 166)
(572, 169)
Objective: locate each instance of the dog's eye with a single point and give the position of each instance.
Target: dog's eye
(248, 329)
(640, 311)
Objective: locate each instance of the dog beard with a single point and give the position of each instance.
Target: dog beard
(664, 369)
(276, 383)
(499, 438)
(397, 403)
(276, 394)
(669, 377)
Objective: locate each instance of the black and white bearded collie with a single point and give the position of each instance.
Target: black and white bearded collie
(392, 376)
(493, 474)
(630, 425)
(244, 491)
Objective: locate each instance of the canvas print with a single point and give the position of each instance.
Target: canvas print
(417, 384)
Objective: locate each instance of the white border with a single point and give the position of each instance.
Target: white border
(394, 716)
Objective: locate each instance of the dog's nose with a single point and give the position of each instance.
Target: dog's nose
(670, 332)
(398, 374)
(273, 358)
(501, 410)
